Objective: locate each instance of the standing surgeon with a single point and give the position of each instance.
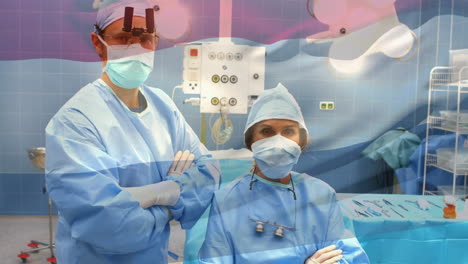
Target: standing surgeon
(110, 149)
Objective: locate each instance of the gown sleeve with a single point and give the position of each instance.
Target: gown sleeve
(197, 184)
(338, 235)
(82, 180)
(216, 248)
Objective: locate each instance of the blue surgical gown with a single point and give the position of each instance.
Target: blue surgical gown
(95, 146)
(315, 216)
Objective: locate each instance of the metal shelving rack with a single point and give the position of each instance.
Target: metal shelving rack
(447, 80)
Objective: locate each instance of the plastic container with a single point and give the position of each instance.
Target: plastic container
(449, 119)
(457, 60)
(446, 158)
(452, 115)
(460, 190)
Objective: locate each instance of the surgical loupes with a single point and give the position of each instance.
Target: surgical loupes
(260, 227)
(128, 22)
(279, 232)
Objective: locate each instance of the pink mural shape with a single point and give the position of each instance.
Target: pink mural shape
(61, 29)
(172, 20)
(347, 16)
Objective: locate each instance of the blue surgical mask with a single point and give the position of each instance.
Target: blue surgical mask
(128, 66)
(275, 156)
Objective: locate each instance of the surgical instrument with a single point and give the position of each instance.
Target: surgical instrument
(360, 213)
(413, 202)
(370, 210)
(385, 212)
(434, 204)
(358, 203)
(365, 212)
(402, 207)
(397, 212)
(387, 202)
(375, 202)
(421, 204)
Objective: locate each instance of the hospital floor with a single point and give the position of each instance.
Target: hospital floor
(17, 231)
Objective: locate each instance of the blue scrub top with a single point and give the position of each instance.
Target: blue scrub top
(315, 216)
(95, 146)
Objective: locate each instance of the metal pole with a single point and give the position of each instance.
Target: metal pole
(51, 232)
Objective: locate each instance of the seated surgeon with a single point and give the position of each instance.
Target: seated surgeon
(276, 215)
(110, 149)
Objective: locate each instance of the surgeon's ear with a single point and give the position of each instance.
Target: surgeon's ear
(303, 138)
(98, 46)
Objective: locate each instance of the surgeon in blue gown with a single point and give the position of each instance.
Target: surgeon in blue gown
(109, 154)
(276, 215)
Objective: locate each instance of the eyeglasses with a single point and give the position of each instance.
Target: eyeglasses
(146, 40)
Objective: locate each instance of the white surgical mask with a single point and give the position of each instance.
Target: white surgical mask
(275, 156)
(128, 66)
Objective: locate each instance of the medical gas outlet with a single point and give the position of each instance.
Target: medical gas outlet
(233, 101)
(214, 101)
(216, 70)
(224, 79)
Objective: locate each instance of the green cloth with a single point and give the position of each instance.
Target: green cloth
(395, 147)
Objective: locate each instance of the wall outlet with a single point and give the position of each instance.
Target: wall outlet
(327, 105)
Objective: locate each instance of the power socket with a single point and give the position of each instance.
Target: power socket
(327, 105)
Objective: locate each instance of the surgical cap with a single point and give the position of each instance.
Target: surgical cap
(276, 103)
(113, 10)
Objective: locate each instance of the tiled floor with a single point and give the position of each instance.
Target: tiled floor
(17, 231)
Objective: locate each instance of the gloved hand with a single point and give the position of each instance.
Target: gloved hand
(326, 255)
(182, 162)
(165, 193)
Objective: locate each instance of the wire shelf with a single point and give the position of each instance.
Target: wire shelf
(447, 79)
(445, 164)
(450, 125)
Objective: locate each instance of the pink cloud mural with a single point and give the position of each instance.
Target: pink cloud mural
(60, 29)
